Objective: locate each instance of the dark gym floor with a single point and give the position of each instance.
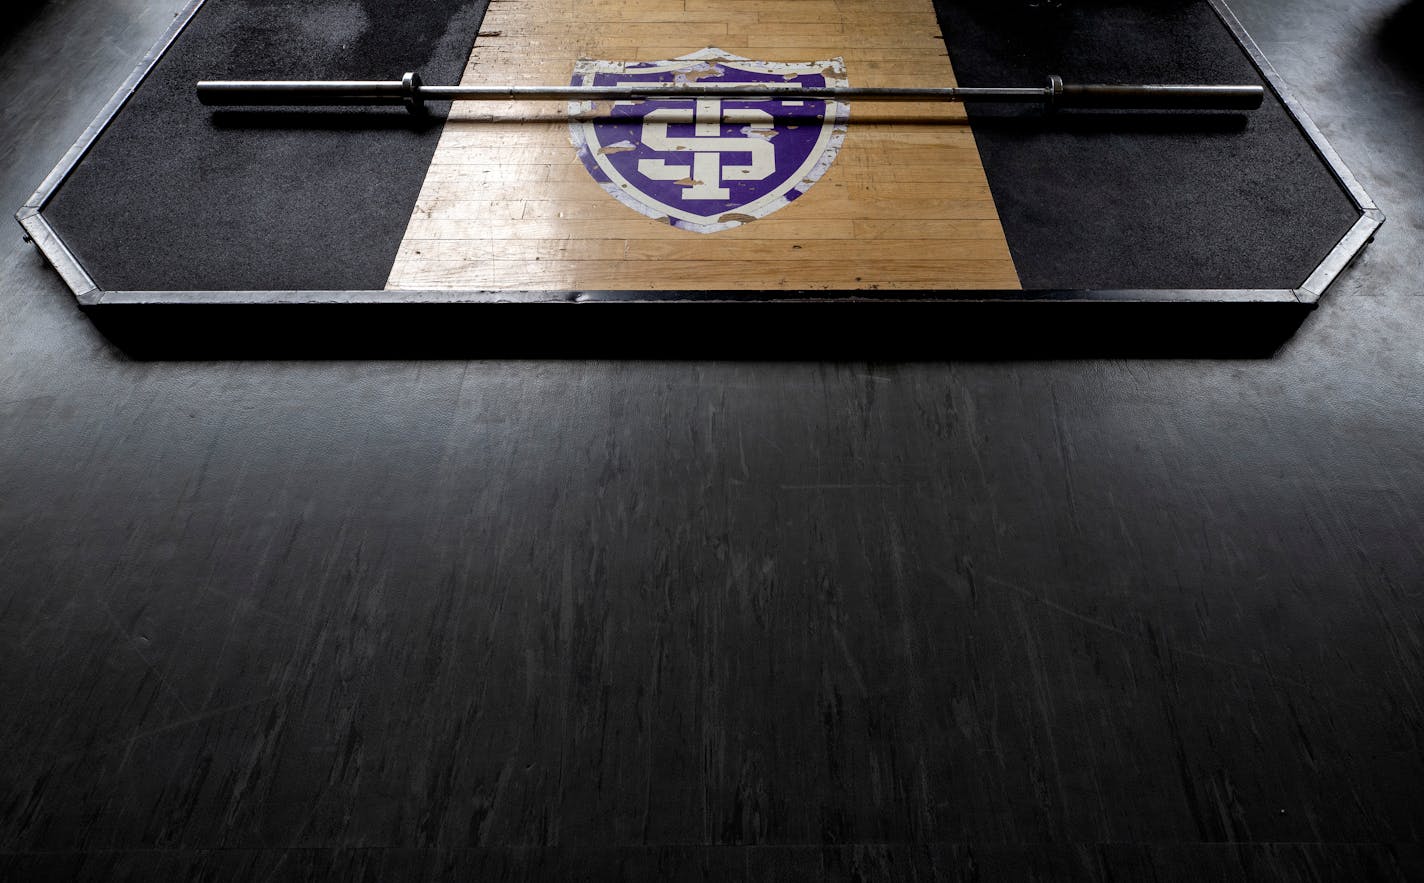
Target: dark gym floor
(1128, 620)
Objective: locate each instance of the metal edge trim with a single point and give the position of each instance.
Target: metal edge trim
(1341, 256)
(58, 255)
(448, 298)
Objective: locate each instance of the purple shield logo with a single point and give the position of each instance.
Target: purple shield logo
(708, 164)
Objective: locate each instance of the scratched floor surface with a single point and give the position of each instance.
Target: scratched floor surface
(1076, 620)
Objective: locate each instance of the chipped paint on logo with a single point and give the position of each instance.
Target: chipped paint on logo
(708, 164)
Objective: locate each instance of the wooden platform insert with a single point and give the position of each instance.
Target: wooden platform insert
(508, 205)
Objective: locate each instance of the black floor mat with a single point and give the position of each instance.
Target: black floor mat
(1134, 200)
(175, 197)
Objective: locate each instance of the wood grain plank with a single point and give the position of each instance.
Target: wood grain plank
(705, 274)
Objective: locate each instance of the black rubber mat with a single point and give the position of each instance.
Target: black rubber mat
(1134, 200)
(175, 197)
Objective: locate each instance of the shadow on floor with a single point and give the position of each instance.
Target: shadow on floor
(775, 331)
(15, 16)
(1399, 39)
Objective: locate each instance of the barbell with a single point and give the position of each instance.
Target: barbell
(411, 92)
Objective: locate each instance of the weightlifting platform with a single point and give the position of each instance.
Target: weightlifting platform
(798, 220)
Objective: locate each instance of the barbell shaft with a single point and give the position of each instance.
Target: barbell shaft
(413, 94)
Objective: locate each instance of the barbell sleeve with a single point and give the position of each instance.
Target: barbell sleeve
(1163, 97)
(408, 90)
